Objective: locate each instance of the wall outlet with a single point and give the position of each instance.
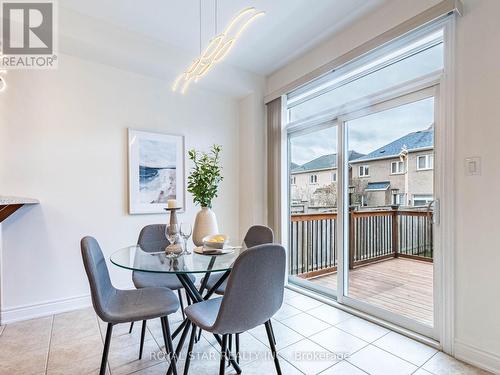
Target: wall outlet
(473, 166)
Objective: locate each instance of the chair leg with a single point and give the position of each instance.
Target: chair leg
(237, 342)
(272, 331)
(190, 348)
(273, 346)
(131, 326)
(230, 348)
(169, 346)
(180, 345)
(223, 353)
(107, 341)
(143, 334)
(182, 303)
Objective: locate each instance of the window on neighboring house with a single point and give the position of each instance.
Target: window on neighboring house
(363, 201)
(397, 167)
(398, 198)
(334, 176)
(364, 171)
(425, 162)
(293, 180)
(422, 199)
(313, 178)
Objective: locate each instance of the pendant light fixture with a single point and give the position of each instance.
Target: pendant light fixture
(217, 48)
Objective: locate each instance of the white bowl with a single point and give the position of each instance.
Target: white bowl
(208, 241)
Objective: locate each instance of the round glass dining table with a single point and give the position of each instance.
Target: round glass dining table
(155, 260)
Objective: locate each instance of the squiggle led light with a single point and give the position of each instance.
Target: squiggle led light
(217, 49)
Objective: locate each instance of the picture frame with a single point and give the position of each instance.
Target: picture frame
(155, 171)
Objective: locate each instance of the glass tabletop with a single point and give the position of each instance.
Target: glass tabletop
(136, 259)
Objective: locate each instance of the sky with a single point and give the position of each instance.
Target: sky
(365, 134)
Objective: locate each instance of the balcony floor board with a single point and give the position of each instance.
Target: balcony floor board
(402, 286)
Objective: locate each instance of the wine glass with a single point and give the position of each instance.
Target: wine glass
(186, 231)
(172, 234)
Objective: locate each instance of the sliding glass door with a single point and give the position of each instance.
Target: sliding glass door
(312, 170)
(362, 199)
(388, 210)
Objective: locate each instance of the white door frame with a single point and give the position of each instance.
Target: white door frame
(410, 97)
(444, 144)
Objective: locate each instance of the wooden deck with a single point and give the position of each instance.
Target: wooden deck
(402, 286)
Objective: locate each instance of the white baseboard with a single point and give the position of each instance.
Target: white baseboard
(38, 310)
(477, 357)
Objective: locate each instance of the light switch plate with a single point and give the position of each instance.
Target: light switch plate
(473, 166)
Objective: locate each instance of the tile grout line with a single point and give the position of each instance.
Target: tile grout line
(344, 360)
(423, 364)
(309, 309)
(50, 344)
(148, 327)
(404, 359)
(331, 326)
(368, 343)
(286, 325)
(302, 337)
(278, 350)
(378, 347)
(308, 312)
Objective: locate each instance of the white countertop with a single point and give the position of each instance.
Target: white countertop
(6, 200)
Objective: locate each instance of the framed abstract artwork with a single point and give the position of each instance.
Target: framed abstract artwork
(155, 171)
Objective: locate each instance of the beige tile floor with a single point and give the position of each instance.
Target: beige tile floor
(313, 338)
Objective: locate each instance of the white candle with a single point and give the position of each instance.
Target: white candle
(172, 203)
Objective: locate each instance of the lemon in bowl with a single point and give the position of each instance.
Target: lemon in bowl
(215, 241)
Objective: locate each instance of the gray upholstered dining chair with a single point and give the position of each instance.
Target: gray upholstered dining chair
(256, 235)
(116, 306)
(152, 239)
(254, 293)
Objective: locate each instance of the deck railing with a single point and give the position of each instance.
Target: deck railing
(373, 235)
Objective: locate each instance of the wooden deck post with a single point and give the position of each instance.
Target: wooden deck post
(351, 238)
(395, 232)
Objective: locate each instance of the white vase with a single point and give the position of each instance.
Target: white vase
(205, 224)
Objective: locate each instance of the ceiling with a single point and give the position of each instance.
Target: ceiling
(289, 28)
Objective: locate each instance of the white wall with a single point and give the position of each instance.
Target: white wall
(64, 141)
(252, 172)
(477, 204)
(477, 279)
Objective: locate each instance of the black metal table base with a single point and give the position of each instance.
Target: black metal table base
(195, 296)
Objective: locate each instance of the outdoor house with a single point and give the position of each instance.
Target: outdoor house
(313, 185)
(399, 173)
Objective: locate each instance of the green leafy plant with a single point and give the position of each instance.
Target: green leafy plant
(205, 176)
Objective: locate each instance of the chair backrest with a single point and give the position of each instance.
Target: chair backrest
(254, 291)
(152, 238)
(97, 272)
(258, 235)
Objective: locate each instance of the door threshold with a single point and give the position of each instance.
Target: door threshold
(393, 327)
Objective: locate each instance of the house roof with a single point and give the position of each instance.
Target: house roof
(412, 141)
(384, 185)
(322, 162)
